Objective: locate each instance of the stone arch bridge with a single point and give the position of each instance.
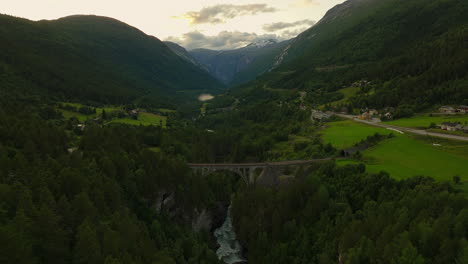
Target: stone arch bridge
(270, 171)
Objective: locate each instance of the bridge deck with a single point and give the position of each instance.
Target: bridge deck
(257, 165)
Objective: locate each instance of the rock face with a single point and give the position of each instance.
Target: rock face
(200, 220)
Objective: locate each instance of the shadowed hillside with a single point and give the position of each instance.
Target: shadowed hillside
(413, 52)
(93, 58)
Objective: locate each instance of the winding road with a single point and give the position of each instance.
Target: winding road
(405, 129)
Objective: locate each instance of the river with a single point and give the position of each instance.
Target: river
(230, 250)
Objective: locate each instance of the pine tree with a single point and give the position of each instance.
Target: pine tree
(87, 249)
(51, 244)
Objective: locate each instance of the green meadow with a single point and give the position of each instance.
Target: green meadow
(423, 121)
(82, 117)
(404, 155)
(344, 134)
(144, 119)
(348, 93)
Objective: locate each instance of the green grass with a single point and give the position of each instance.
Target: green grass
(164, 110)
(345, 134)
(203, 108)
(82, 118)
(404, 155)
(285, 150)
(77, 105)
(423, 121)
(155, 149)
(145, 119)
(348, 93)
(108, 109)
(343, 162)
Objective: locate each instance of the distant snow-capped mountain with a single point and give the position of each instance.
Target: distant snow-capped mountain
(262, 43)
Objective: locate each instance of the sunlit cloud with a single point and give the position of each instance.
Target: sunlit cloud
(307, 3)
(273, 27)
(217, 14)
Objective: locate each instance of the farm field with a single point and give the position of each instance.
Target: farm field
(348, 93)
(145, 119)
(344, 134)
(82, 117)
(164, 110)
(404, 155)
(423, 121)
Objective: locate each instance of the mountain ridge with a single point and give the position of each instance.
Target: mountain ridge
(411, 51)
(96, 58)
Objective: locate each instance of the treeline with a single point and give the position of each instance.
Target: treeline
(345, 215)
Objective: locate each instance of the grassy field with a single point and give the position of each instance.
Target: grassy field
(404, 155)
(345, 134)
(145, 119)
(423, 121)
(81, 117)
(348, 93)
(164, 110)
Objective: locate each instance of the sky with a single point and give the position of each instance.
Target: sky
(213, 24)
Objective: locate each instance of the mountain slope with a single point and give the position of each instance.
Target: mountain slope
(234, 67)
(414, 52)
(183, 53)
(93, 58)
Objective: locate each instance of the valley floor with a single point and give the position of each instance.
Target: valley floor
(407, 129)
(404, 155)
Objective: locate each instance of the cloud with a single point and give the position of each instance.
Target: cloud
(220, 13)
(225, 40)
(289, 34)
(284, 25)
(307, 3)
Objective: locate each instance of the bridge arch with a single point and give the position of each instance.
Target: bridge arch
(247, 170)
(247, 174)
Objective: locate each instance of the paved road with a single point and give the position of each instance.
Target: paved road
(406, 129)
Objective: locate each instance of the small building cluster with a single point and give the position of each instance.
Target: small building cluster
(451, 110)
(362, 83)
(448, 126)
(319, 115)
(368, 114)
